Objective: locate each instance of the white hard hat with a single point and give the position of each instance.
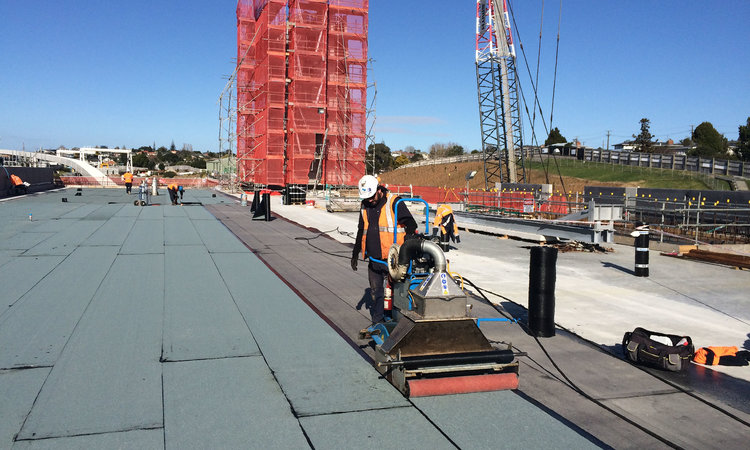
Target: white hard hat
(368, 185)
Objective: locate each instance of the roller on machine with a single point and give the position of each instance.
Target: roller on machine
(432, 346)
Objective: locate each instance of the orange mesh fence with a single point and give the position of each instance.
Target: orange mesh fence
(116, 181)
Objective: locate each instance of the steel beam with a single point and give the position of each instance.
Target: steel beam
(597, 233)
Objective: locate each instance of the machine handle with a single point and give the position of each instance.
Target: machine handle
(426, 213)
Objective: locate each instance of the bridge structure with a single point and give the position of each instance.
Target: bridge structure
(78, 164)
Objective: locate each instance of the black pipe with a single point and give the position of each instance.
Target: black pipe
(409, 250)
(542, 275)
(641, 250)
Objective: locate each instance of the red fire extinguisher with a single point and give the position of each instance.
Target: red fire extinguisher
(388, 297)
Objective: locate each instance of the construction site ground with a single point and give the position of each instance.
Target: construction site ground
(196, 327)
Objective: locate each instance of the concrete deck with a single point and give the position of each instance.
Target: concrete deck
(155, 327)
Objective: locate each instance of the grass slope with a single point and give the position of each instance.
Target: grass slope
(565, 174)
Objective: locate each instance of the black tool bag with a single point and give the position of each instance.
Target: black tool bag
(639, 347)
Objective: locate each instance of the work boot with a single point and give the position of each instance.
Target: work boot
(367, 333)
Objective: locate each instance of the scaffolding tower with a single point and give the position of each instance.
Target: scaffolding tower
(497, 91)
(301, 83)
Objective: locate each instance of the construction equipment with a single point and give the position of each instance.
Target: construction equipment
(432, 346)
(144, 198)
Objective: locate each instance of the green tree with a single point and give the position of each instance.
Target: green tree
(443, 149)
(171, 158)
(555, 137)
(709, 143)
(643, 140)
(687, 142)
(141, 160)
(418, 156)
(455, 150)
(383, 158)
(400, 161)
(743, 142)
(198, 163)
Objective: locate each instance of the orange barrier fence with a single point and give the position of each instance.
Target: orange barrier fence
(557, 204)
(117, 181)
(512, 201)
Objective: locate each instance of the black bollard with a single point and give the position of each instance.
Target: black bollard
(256, 200)
(267, 201)
(542, 274)
(263, 210)
(641, 249)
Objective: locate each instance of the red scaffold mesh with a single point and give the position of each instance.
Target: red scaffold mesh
(301, 91)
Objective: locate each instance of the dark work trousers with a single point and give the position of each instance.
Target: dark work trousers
(377, 273)
(173, 196)
(448, 225)
(128, 187)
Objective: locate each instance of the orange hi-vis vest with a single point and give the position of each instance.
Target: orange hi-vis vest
(387, 225)
(16, 179)
(711, 355)
(442, 211)
(172, 187)
(128, 177)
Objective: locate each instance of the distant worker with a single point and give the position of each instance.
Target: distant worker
(128, 178)
(446, 224)
(181, 190)
(172, 189)
(378, 221)
(18, 184)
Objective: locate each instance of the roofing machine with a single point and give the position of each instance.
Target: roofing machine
(432, 346)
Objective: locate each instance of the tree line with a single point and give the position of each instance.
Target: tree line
(151, 157)
(381, 157)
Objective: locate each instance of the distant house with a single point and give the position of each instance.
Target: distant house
(224, 165)
(566, 149)
(625, 146)
(398, 153)
(181, 169)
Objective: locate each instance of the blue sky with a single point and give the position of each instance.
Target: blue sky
(84, 73)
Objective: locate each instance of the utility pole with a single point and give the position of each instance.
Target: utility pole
(608, 133)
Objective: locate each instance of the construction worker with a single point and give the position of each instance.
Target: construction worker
(378, 221)
(181, 190)
(446, 224)
(128, 178)
(172, 189)
(18, 184)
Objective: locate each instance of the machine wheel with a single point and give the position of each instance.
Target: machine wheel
(143, 202)
(136, 203)
(397, 272)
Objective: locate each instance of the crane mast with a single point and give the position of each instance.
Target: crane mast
(499, 114)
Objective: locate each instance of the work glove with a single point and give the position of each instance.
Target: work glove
(354, 263)
(458, 239)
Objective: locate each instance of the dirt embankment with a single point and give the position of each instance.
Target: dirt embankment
(453, 175)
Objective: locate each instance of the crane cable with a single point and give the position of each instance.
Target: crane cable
(554, 85)
(536, 81)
